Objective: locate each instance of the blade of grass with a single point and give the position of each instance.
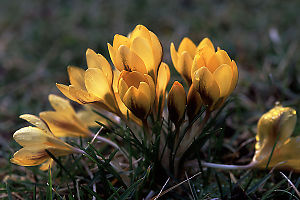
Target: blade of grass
(8, 191)
(50, 194)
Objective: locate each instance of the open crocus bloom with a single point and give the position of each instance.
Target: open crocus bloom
(65, 122)
(93, 86)
(275, 128)
(183, 58)
(214, 75)
(35, 141)
(137, 91)
(141, 51)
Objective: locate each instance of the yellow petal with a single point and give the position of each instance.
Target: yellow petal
(138, 101)
(88, 117)
(82, 96)
(116, 74)
(123, 87)
(98, 61)
(65, 125)
(130, 60)
(206, 85)
(125, 111)
(34, 120)
(142, 32)
(96, 83)
(30, 137)
(157, 49)
(112, 52)
(198, 62)
(277, 123)
(287, 154)
(176, 102)
(61, 104)
(143, 49)
(223, 76)
(206, 42)
(65, 90)
(76, 76)
(30, 157)
(235, 76)
(46, 165)
(206, 52)
(214, 62)
(150, 82)
(174, 56)
(224, 57)
(188, 46)
(185, 62)
(132, 78)
(163, 79)
(120, 40)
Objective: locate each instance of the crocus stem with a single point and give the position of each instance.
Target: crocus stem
(108, 141)
(227, 167)
(146, 130)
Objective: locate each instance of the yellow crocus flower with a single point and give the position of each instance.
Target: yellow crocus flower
(137, 92)
(277, 126)
(35, 141)
(141, 51)
(214, 75)
(183, 58)
(93, 86)
(176, 103)
(65, 122)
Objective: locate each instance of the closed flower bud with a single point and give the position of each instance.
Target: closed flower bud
(176, 103)
(194, 103)
(137, 91)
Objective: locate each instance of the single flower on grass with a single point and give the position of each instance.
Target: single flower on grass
(274, 145)
(35, 141)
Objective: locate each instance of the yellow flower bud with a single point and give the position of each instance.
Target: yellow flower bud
(194, 103)
(137, 91)
(163, 79)
(183, 58)
(141, 51)
(176, 103)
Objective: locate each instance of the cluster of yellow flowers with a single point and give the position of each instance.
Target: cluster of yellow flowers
(135, 89)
